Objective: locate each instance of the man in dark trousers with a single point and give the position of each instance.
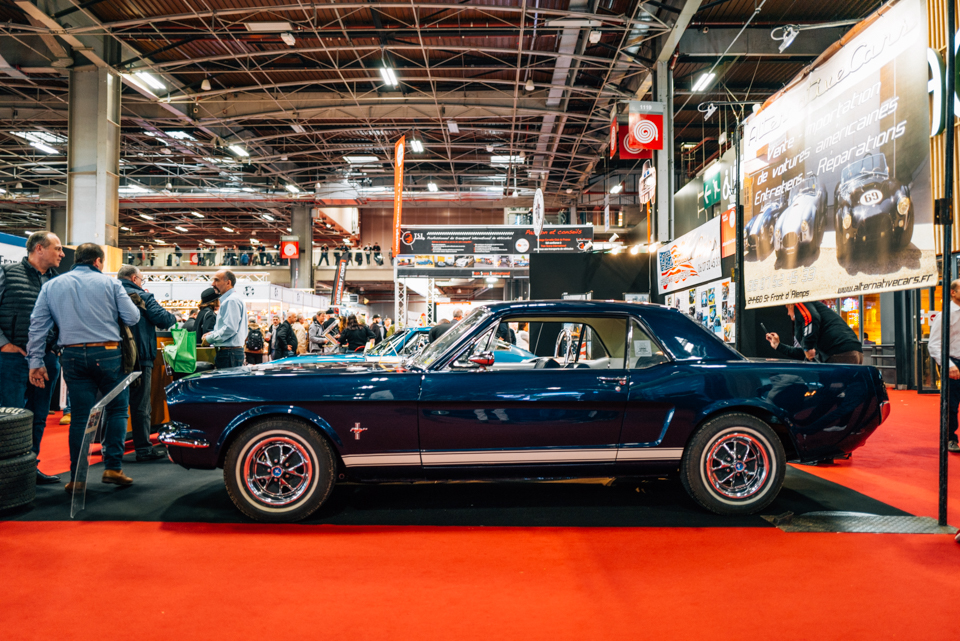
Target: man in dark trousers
(20, 285)
(152, 318)
(230, 331)
(953, 372)
(85, 305)
(818, 328)
(379, 333)
(285, 339)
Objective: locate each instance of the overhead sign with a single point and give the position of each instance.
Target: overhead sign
(837, 184)
(538, 211)
(398, 151)
(711, 186)
(629, 150)
(614, 130)
(339, 281)
(459, 240)
(692, 259)
(290, 247)
(646, 125)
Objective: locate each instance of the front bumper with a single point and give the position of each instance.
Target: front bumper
(187, 447)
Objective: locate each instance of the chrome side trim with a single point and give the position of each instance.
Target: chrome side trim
(178, 440)
(513, 457)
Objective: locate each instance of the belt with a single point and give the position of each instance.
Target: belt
(106, 344)
(222, 348)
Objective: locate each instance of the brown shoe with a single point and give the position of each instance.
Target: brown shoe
(117, 477)
(74, 486)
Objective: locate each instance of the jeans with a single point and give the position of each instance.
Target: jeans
(141, 411)
(88, 370)
(228, 357)
(16, 390)
(954, 400)
(324, 258)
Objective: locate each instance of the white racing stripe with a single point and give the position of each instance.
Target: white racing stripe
(381, 460)
(650, 454)
(514, 457)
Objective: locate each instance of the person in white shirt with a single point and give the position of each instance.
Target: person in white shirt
(953, 373)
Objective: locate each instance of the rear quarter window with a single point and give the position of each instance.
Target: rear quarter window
(685, 339)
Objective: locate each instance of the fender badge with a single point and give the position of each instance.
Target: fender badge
(356, 429)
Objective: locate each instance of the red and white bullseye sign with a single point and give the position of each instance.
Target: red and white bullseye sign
(645, 131)
(290, 249)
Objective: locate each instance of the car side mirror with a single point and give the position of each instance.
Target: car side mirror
(483, 359)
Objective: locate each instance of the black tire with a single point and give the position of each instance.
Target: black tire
(16, 432)
(18, 480)
(906, 234)
(705, 458)
(310, 458)
(843, 246)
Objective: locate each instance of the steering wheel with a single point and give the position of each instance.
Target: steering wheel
(565, 335)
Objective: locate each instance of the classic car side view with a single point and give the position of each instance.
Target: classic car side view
(801, 224)
(759, 230)
(612, 389)
(872, 207)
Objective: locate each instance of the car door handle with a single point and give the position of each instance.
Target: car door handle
(611, 380)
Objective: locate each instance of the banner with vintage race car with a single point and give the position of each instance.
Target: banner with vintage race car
(837, 188)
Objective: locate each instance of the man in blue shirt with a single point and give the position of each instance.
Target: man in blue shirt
(20, 285)
(85, 306)
(230, 332)
(152, 317)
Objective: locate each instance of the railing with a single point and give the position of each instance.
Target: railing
(167, 257)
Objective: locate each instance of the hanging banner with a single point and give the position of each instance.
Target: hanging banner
(290, 247)
(614, 130)
(628, 152)
(691, 259)
(339, 280)
(837, 184)
(646, 125)
(459, 240)
(398, 151)
(538, 211)
(728, 233)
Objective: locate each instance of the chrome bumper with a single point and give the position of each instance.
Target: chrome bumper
(180, 435)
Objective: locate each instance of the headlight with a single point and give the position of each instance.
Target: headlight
(804, 227)
(847, 221)
(903, 205)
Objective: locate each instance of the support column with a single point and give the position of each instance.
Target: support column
(664, 82)
(58, 223)
(93, 158)
(302, 226)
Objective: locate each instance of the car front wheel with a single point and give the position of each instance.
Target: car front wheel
(279, 471)
(734, 464)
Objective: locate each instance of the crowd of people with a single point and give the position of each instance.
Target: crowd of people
(251, 255)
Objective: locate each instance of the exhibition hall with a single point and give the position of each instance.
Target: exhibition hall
(479, 319)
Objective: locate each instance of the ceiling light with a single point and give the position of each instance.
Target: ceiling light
(756, 107)
(790, 33)
(240, 151)
(389, 77)
(529, 86)
(254, 241)
(145, 217)
(19, 185)
(361, 160)
(432, 186)
(228, 230)
(616, 249)
(169, 186)
(289, 230)
(283, 158)
(2, 190)
(616, 189)
(268, 217)
(491, 279)
(452, 127)
(595, 37)
(159, 242)
(635, 250)
(703, 82)
(709, 111)
(416, 145)
(268, 26)
(298, 128)
(209, 240)
(197, 214)
(505, 160)
(614, 237)
(489, 147)
(124, 229)
(569, 191)
(44, 148)
(205, 85)
(652, 247)
(288, 38)
(150, 80)
(293, 189)
(179, 228)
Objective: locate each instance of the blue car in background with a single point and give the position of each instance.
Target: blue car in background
(610, 389)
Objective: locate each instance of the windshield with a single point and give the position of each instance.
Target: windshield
(388, 347)
(808, 186)
(875, 164)
(435, 349)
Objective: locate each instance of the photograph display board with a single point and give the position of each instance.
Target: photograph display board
(496, 240)
(692, 259)
(837, 186)
(711, 305)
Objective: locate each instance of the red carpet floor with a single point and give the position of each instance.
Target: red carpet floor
(96, 580)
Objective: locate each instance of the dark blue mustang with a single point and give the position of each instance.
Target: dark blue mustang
(613, 389)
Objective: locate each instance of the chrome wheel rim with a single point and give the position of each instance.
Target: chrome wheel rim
(277, 471)
(737, 465)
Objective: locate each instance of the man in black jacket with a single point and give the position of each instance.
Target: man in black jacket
(20, 285)
(444, 325)
(152, 318)
(285, 339)
(818, 328)
(379, 333)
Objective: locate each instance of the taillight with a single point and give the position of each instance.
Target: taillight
(884, 410)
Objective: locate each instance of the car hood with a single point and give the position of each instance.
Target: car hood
(853, 190)
(800, 209)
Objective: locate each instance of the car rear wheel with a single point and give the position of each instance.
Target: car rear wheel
(279, 471)
(734, 464)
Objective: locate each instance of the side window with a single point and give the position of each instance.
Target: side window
(643, 351)
(477, 346)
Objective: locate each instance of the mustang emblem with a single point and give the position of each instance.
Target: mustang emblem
(356, 429)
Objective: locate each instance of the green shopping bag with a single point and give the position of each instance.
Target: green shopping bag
(181, 354)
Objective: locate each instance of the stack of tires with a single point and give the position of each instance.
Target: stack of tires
(18, 463)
